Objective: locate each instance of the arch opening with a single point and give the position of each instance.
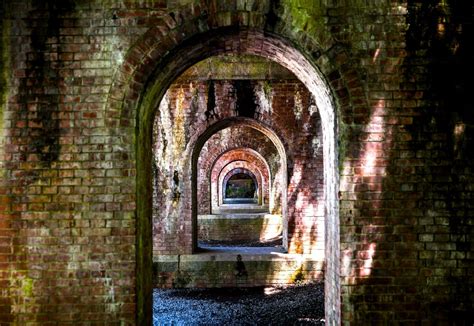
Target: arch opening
(240, 187)
(252, 224)
(239, 157)
(239, 221)
(288, 57)
(255, 179)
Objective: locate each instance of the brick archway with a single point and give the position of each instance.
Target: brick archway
(251, 157)
(197, 144)
(226, 177)
(233, 168)
(222, 41)
(208, 167)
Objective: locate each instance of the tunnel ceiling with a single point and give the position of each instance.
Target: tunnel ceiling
(237, 67)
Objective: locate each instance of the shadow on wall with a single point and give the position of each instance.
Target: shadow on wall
(407, 230)
(441, 34)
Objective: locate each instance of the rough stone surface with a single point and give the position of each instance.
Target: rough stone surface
(236, 267)
(239, 228)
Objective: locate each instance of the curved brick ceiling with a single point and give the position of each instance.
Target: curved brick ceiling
(236, 67)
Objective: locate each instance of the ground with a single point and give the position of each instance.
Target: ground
(301, 304)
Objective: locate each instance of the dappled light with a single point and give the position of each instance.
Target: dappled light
(367, 257)
(212, 118)
(367, 178)
(282, 229)
(251, 147)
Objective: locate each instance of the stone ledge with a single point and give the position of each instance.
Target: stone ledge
(218, 267)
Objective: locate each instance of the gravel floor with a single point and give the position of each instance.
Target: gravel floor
(292, 305)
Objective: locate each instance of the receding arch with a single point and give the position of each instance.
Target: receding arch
(232, 167)
(229, 176)
(197, 142)
(216, 168)
(216, 165)
(168, 68)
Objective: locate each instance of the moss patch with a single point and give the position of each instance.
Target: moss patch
(27, 287)
(298, 275)
(4, 63)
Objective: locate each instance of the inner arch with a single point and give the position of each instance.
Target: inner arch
(227, 41)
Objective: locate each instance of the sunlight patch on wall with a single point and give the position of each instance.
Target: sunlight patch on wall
(368, 261)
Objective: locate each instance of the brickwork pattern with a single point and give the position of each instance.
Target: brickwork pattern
(70, 94)
(192, 105)
(248, 159)
(248, 228)
(219, 151)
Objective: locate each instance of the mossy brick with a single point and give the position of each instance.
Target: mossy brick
(404, 56)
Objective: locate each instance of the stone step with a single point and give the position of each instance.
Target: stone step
(240, 208)
(222, 267)
(239, 227)
(238, 215)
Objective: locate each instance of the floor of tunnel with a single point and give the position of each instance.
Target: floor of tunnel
(300, 304)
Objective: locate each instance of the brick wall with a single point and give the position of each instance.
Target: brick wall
(241, 143)
(77, 76)
(248, 158)
(192, 105)
(248, 229)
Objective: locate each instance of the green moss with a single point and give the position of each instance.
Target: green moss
(27, 287)
(267, 89)
(304, 15)
(298, 275)
(4, 64)
(4, 72)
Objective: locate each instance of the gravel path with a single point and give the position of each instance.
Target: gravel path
(290, 305)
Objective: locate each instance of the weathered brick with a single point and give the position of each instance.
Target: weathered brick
(399, 73)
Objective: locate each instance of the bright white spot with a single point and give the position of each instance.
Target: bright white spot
(313, 109)
(376, 55)
(271, 290)
(368, 262)
(264, 98)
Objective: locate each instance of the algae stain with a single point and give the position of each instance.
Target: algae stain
(305, 15)
(21, 292)
(264, 96)
(112, 305)
(4, 79)
(298, 275)
(179, 135)
(27, 287)
(4, 65)
(298, 109)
